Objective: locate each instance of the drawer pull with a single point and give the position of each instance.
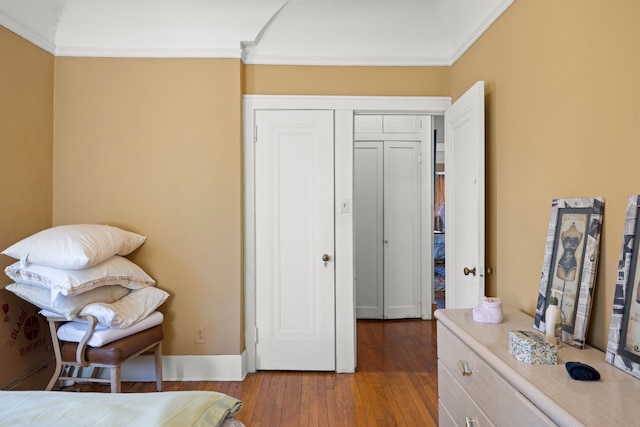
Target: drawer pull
(465, 369)
(471, 422)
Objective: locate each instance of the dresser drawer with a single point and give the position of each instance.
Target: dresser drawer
(457, 404)
(499, 401)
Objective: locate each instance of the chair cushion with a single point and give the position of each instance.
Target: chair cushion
(116, 352)
(101, 336)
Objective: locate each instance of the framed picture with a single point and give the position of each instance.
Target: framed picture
(623, 346)
(570, 265)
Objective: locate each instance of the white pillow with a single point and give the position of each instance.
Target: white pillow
(114, 271)
(75, 246)
(127, 310)
(67, 306)
(74, 331)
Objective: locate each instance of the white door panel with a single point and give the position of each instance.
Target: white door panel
(402, 123)
(369, 228)
(402, 229)
(294, 229)
(465, 199)
(364, 123)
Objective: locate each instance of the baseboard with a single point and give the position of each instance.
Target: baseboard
(188, 368)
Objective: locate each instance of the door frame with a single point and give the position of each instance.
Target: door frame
(344, 107)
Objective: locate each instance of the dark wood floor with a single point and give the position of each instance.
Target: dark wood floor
(438, 299)
(395, 384)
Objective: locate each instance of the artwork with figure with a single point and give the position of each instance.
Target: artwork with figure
(572, 228)
(570, 264)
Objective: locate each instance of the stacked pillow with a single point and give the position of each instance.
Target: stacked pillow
(80, 270)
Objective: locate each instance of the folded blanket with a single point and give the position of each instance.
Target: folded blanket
(166, 409)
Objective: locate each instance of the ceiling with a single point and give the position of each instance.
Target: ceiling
(300, 32)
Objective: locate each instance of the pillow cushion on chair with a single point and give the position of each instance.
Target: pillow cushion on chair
(75, 246)
(114, 271)
(74, 331)
(127, 310)
(66, 306)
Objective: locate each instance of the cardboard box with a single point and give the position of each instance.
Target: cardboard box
(532, 347)
(25, 340)
(37, 379)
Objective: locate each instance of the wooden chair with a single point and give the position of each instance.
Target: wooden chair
(110, 356)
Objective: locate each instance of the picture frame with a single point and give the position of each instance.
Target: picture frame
(623, 345)
(570, 265)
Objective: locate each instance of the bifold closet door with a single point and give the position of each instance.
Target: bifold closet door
(387, 203)
(401, 229)
(369, 231)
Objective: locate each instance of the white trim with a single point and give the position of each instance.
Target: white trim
(187, 368)
(426, 218)
(371, 61)
(146, 52)
(495, 14)
(345, 107)
(27, 34)
(359, 104)
(345, 333)
(249, 236)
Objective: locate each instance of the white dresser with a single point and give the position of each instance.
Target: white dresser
(498, 390)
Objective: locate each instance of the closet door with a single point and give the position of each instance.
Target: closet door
(401, 229)
(387, 218)
(295, 269)
(368, 202)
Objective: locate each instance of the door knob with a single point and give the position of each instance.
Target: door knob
(468, 271)
(326, 257)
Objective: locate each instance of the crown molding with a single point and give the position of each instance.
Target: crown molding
(142, 52)
(372, 61)
(27, 34)
(491, 18)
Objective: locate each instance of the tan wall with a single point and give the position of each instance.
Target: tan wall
(154, 146)
(562, 94)
(353, 81)
(26, 140)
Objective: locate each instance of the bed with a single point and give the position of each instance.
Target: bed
(169, 408)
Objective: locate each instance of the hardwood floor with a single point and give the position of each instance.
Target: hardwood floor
(395, 384)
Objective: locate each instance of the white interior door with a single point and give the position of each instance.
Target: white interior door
(369, 229)
(401, 229)
(294, 205)
(387, 223)
(465, 199)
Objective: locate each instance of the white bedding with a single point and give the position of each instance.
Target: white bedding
(74, 331)
(66, 409)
